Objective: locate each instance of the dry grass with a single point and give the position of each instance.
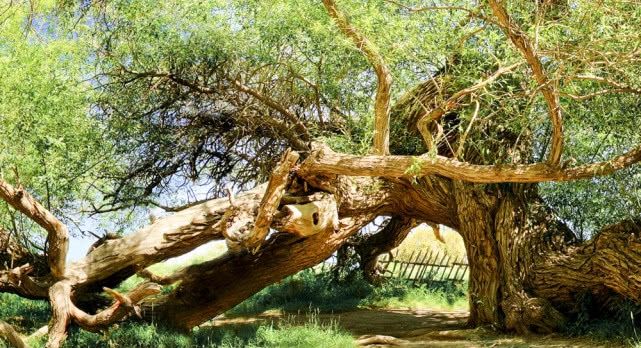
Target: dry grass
(422, 238)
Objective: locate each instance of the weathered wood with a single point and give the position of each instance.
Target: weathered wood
(57, 234)
(271, 200)
(324, 161)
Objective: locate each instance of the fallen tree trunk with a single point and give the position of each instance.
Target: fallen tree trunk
(516, 248)
(211, 288)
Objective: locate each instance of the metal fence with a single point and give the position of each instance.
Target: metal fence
(421, 267)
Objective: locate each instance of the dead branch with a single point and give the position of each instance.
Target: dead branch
(383, 75)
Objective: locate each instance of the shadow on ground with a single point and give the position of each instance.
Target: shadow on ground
(413, 328)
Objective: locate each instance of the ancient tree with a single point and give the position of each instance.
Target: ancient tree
(344, 123)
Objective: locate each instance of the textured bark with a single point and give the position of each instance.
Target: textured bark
(325, 161)
(474, 210)
(213, 287)
(608, 264)
(388, 238)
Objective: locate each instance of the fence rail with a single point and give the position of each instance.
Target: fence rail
(420, 267)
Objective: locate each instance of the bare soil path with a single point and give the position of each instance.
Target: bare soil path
(416, 328)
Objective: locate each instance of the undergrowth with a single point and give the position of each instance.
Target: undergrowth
(309, 290)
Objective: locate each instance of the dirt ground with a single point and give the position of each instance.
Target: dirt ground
(417, 328)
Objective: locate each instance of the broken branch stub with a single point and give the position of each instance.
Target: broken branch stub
(308, 219)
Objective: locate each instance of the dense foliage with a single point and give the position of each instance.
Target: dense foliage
(167, 75)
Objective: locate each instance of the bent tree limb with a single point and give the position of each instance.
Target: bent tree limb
(550, 93)
(57, 234)
(383, 76)
(325, 161)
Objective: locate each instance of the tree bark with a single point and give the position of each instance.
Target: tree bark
(527, 272)
(388, 238)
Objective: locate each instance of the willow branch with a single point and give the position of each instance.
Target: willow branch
(302, 135)
(57, 234)
(383, 75)
(300, 126)
(325, 161)
(550, 94)
(469, 11)
(453, 102)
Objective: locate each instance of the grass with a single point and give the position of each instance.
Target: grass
(278, 334)
(309, 290)
(298, 293)
(621, 327)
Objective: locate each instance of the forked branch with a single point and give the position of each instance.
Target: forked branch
(383, 75)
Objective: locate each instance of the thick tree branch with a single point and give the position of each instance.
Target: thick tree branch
(550, 94)
(57, 234)
(325, 161)
(388, 238)
(383, 75)
(609, 261)
(211, 288)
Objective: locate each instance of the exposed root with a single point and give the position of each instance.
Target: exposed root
(17, 280)
(370, 340)
(64, 311)
(525, 315)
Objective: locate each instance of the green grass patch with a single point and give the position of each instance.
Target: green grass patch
(25, 314)
(307, 290)
(279, 334)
